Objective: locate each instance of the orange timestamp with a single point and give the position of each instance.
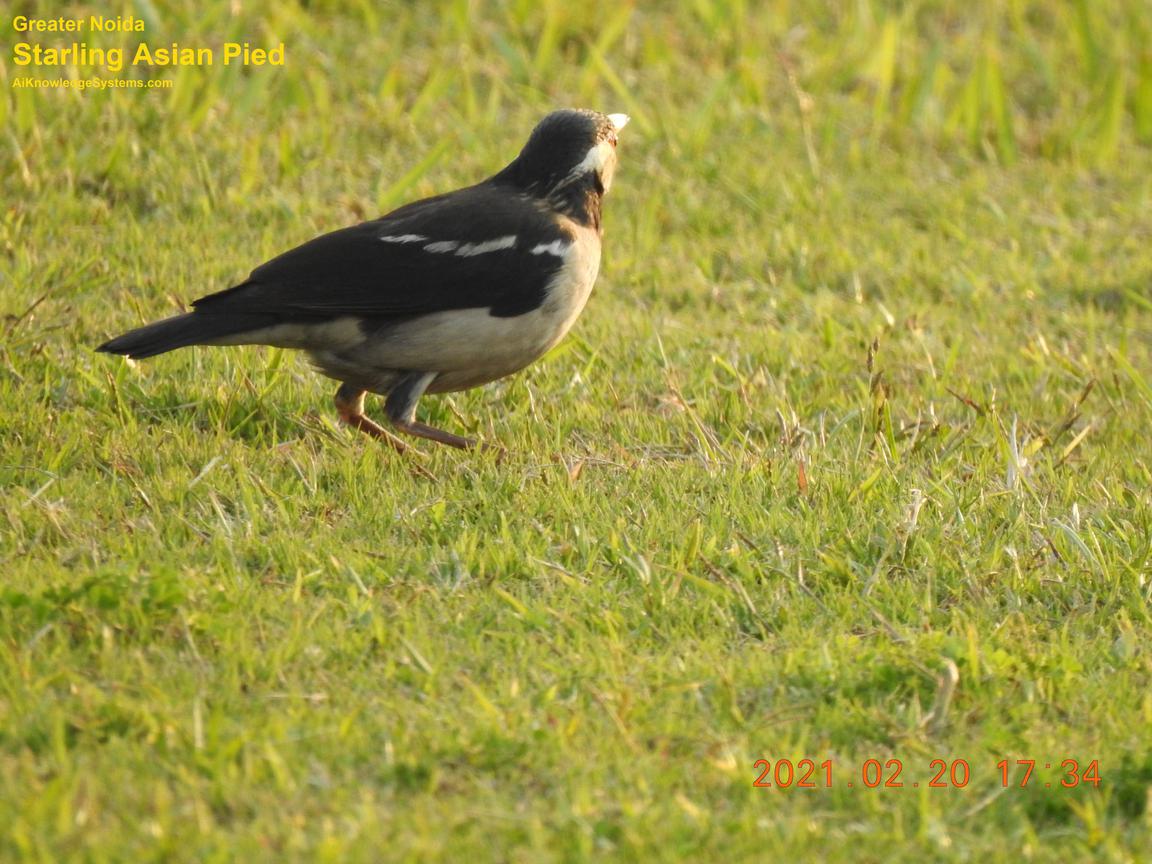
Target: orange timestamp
(937, 774)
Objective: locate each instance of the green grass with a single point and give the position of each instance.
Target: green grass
(862, 397)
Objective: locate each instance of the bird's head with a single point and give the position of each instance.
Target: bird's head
(570, 155)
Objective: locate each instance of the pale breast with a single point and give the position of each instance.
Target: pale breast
(571, 287)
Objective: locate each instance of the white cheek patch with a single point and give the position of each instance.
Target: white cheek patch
(557, 247)
(403, 238)
(601, 160)
(608, 172)
(442, 246)
(595, 160)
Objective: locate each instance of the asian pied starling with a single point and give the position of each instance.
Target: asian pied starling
(443, 294)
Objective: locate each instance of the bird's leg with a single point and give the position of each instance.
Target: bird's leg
(350, 405)
(401, 408)
(423, 430)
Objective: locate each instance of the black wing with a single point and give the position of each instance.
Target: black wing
(449, 252)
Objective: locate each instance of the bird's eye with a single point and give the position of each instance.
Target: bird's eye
(612, 138)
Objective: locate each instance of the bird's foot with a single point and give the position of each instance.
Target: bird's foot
(374, 430)
(350, 405)
(423, 430)
(358, 421)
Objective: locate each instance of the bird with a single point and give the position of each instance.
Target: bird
(441, 295)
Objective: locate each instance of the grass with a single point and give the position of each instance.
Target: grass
(847, 459)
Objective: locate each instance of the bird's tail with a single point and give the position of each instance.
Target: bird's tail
(179, 331)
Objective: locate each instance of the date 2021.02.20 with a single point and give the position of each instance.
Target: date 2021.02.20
(935, 774)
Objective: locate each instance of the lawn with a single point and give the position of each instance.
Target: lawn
(847, 459)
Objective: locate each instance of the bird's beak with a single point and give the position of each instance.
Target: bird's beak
(619, 120)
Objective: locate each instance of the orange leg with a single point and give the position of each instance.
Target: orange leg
(423, 430)
(350, 405)
(401, 409)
